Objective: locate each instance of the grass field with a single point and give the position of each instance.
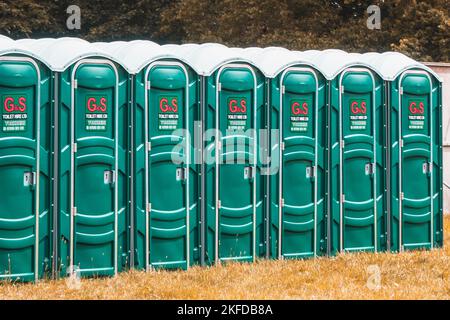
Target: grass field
(410, 275)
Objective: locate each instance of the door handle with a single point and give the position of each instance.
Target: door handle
(249, 173)
(370, 168)
(311, 172)
(427, 168)
(181, 174)
(109, 177)
(29, 179)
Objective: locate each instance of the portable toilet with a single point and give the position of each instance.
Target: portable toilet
(25, 164)
(233, 189)
(356, 153)
(91, 158)
(165, 173)
(298, 109)
(415, 152)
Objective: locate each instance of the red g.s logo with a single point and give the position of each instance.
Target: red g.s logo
(237, 105)
(358, 108)
(168, 104)
(298, 108)
(12, 105)
(94, 104)
(414, 109)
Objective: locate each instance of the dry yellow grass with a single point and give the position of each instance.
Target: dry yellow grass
(411, 275)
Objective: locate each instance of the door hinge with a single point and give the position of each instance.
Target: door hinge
(342, 144)
(401, 143)
(219, 145)
(148, 146)
(74, 147)
(149, 207)
(219, 204)
(75, 84)
(342, 198)
(219, 86)
(283, 89)
(74, 211)
(282, 202)
(342, 89)
(401, 90)
(402, 196)
(283, 146)
(147, 85)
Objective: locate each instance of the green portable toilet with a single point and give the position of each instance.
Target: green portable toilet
(25, 164)
(233, 102)
(357, 157)
(165, 175)
(91, 158)
(298, 107)
(415, 152)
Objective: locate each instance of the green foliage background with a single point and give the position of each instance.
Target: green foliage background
(420, 29)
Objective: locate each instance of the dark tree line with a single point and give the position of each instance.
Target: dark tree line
(418, 28)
